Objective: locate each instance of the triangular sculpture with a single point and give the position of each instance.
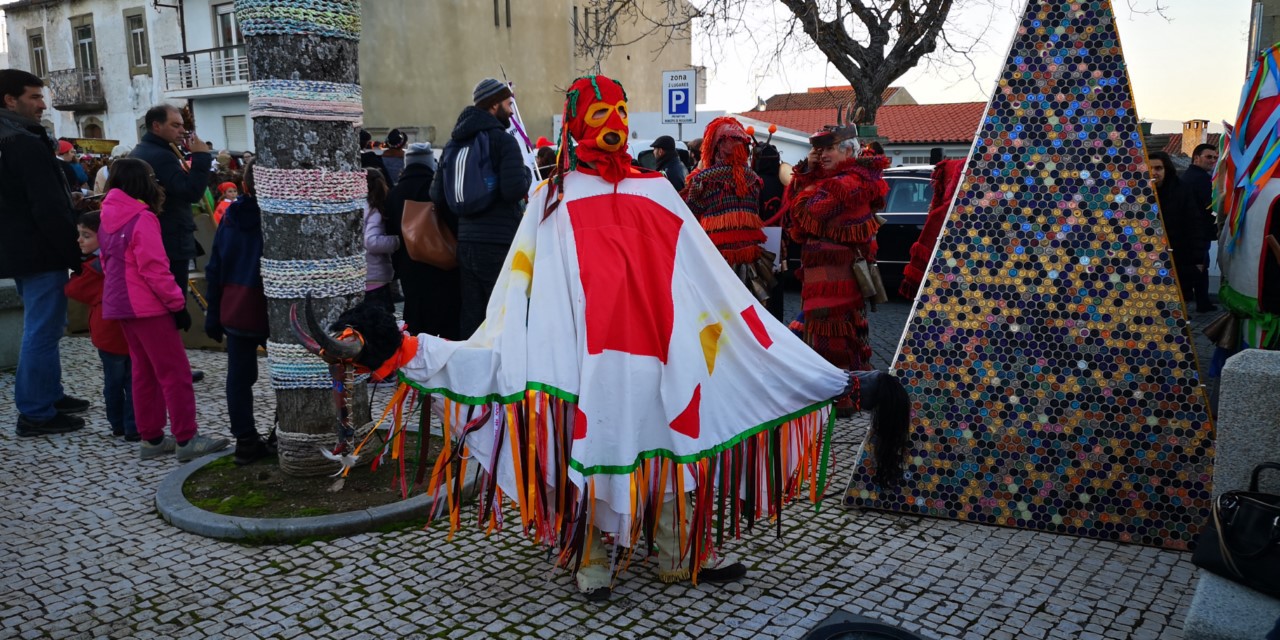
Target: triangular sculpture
(1048, 354)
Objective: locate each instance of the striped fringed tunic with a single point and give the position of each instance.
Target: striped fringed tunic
(835, 221)
(728, 211)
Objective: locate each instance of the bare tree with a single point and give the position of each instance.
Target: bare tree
(871, 43)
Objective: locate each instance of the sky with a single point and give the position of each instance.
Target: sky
(1189, 63)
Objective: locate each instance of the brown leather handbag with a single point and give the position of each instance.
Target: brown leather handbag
(426, 237)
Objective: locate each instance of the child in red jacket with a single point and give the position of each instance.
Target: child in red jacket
(86, 287)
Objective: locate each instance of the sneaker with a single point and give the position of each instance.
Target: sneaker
(59, 423)
(199, 446)
(148, 451)
(132, 437)
(249, 450)
(196, 375)
(71, 405)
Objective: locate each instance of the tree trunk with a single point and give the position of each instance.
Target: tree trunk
(288, 51)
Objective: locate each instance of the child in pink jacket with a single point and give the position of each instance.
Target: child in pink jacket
(139, 291)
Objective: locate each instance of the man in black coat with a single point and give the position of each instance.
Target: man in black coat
(183, 186)
(37, 249)
(1198, 180)
(484, 237)
(432, 296)
(669, 164)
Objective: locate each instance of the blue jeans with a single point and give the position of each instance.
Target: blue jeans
(242, 373)
(44, 319)
(480, 264)
(117, 392)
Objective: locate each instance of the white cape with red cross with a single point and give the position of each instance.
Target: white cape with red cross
(619, 299)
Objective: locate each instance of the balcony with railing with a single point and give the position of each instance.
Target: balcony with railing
(220, 71)
(77, 90)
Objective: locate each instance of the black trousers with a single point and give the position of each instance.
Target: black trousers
(479, 264)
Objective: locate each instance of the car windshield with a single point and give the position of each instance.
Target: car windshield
(908, 196)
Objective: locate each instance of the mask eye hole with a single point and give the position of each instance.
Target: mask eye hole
(600, 114)
(622, 111)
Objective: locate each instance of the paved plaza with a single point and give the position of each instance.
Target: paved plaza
(83, 554)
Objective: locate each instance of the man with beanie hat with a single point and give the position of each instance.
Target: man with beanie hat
(669, 164)
(485, 236)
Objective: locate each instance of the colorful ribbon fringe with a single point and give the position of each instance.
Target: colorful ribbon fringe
(306, 100)
(320, 278)
(734, 486)
(324, 18)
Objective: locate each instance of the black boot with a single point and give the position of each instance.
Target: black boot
(252, 449)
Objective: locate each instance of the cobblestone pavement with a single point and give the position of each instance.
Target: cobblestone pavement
(84, 555)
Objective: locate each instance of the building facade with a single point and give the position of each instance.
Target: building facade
(105, 62)
(97, 58)
(419, 61)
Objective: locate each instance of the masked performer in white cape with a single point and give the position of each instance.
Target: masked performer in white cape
(624, 380)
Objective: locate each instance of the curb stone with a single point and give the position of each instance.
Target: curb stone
(175, 509)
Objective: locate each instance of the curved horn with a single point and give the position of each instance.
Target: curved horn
(840, 115)
(300, 332)
(332, 348)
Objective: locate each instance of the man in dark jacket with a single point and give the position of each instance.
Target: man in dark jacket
(1182, 224)
(669, 164)
(483, 238)
(1198, 180)
(37, 249)
(432, 296)
(183, 186)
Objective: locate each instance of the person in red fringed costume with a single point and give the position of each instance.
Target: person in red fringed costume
(834, 219)
(946, 179)
(724, 195)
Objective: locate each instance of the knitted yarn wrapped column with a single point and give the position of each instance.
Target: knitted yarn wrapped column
(304, 98)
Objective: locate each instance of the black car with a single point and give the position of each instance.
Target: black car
(906, 209)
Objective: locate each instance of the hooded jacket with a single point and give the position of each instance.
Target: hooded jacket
(138, 283)
(237, 303)
(35, 205)
(182, 189)
(496, 225)
(86, 288)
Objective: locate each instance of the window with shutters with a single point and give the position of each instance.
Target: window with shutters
(39, 58)
(86, 49)
(135, 25)
(236, 130)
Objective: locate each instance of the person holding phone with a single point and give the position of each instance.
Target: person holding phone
(183, 185)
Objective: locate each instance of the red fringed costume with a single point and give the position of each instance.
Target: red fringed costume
(946, 179)
(834, 219)
(724, 195)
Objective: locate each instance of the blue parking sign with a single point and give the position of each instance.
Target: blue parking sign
(679, 101)
(678, 97)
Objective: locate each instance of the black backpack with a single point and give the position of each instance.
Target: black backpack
(470, 182)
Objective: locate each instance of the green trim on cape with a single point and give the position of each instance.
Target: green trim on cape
(652, 453)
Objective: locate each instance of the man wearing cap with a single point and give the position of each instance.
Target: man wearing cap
(67, 156)
(834, 219)
(37, 249)
(485, 236)
(669, 164)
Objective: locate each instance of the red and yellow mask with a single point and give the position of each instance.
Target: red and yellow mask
(597, 120)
